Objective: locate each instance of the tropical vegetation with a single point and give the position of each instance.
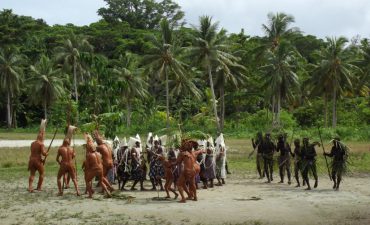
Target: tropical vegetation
(142, 68)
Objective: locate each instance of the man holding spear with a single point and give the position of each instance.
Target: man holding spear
(284, 159)
(257, 144)
(339, 153)
(67, 155)
(35, 162)
(309, 161)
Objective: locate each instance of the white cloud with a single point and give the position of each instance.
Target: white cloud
(317, 17)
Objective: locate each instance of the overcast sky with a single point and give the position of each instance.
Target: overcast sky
(318, 17)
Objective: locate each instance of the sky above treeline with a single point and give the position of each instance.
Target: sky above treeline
(316, 17)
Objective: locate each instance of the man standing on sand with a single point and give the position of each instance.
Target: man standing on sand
(35, 162)
(156, 172)
(93, 167)
(284, 158)
(309, 161)
(268, 148)
(259, 159)
(210, 164)
(339, 154)
(298, 161)
(67, 155)
(106, 153)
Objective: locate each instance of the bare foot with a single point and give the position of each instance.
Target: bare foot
(182, 201)
(60, 194)
(167, 196)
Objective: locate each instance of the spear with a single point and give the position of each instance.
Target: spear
(254, 149)
(55, 133)
(323, 149)
(75, 155)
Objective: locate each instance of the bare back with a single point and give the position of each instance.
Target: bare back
(67, 155)
(37, 150)
(106, 154)
(188, 160)
(93, 161)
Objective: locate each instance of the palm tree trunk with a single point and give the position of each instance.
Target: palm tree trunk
(75, 86)
(167, 98)
(128, 116)
(75, 80)
(8, 108)
(222, 103)
(273, 109)
(45, 110)
(334, 107)
(326, 110)
(278, 108)
(213, 95)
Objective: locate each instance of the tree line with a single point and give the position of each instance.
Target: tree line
(142, 64)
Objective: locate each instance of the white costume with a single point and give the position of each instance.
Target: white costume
(220, 142)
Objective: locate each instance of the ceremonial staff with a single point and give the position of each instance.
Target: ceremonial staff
(55, 133)
(326, 160)
(254, 149)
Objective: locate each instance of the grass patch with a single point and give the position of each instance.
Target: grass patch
(14, 161)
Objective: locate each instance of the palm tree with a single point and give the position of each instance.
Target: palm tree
(335, 71)
(11, 76)
(210, 48)
(279, 76)
(162, 59)
(130, 82)
(71, 53)
(233, 75)
(278, 29)
(46, 83)
(362, 86)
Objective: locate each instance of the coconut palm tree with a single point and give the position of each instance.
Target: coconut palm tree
(233, 75)
(210, 49)
(130, 82)
(362, 84)
(163, 60)
(45, 83)
(278, 29)
(11, 76)
(335, 71)
(71, 53)
(279, 77)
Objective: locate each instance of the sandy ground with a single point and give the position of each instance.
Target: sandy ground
(230, 204)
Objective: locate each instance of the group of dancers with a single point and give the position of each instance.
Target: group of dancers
(182, 165)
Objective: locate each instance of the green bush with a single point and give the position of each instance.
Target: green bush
(305, 116)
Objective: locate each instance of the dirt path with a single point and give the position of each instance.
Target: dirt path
(27, 143)
(230, 204)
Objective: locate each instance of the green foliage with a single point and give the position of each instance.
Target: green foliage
(120, 69)
(305, 116)
(142, 14)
